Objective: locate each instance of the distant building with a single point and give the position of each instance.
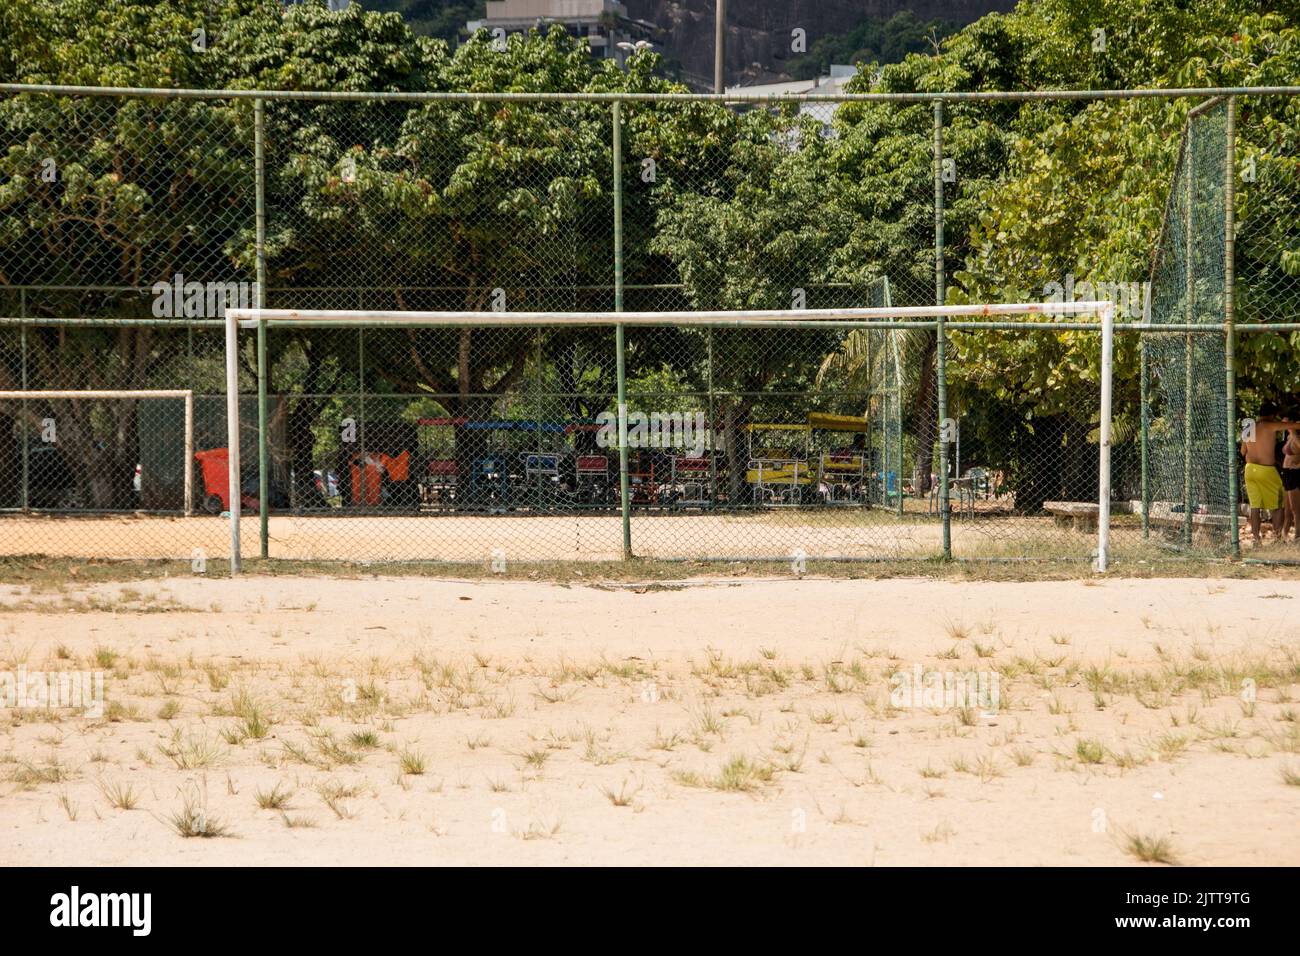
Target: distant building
(822, 112)
(604, 23)
(834, 83)
(334, 5)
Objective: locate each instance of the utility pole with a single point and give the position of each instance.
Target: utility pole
(719, 46)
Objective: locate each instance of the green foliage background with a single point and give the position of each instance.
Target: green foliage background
(744, 207)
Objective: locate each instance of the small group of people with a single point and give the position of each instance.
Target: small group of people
(1273, 474)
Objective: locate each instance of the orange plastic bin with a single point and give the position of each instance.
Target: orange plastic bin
(367, 481)
(214, 465)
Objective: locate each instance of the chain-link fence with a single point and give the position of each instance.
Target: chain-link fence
(131, 223)
(1185, 428)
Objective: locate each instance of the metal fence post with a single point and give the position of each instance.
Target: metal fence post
(712, 428)
(898, 468)
(1189, 235)
(892, 358)
(1144, 392)
(1104, 434)
(232, 439)
(1229, 318)
(625, 501)
(22, 336)
(941, 351)
(866, 417)
(263, 452)
(361, 407)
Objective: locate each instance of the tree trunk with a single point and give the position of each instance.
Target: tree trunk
(1041, 477)
(303, 413)
(923, 419)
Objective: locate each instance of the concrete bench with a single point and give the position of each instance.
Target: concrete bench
(1080, 515)
(1205, 528)
(1200, 522)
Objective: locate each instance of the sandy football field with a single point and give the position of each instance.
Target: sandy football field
(407, 720)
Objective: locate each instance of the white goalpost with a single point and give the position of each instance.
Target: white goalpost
(936, 318)
(129, 394)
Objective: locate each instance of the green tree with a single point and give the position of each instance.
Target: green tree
(443, 19)
(119, 193)
(873, 41)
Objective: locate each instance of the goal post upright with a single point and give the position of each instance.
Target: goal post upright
(232, 430)
(952, 318)
(1107, 314)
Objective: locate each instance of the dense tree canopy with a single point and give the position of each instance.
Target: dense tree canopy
(409, 204)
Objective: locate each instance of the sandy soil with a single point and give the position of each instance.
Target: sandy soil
(439, 537)
(412, 721)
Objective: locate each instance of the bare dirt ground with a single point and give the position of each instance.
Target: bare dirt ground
(829, 533)
(392, 720)
(593, 537)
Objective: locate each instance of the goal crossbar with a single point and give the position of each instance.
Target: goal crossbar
(882, 317)
(126, 393)
(887, 316)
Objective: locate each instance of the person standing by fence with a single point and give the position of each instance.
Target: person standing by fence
(1263, 480)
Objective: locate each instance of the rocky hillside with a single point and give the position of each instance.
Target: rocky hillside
(758, 31)
(758, 35)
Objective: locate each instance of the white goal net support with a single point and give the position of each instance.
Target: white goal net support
(769, 448)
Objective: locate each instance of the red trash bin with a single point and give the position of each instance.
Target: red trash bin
(214, 465)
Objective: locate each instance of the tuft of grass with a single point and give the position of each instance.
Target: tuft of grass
(412, 762)
(334, 794)
(539, 830)
(623, 797)
(740, 774)
(666, 742)
(193, 820)
(556, 694)
(28, 774)
(956, 630)
(1089, 751)
(276, 798)
(942, 833)
(1151, 849)
(69, 807)
(1170, 746)
(121, 796)
(192, 752)
(536, 758)
(251, 721)
(986, 768)
(332, 752)
(364, 740)
(1023, 756)
(707, 722)
(1291, 776)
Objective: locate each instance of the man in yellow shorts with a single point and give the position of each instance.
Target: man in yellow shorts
(1263, 480)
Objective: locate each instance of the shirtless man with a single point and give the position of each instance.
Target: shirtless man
(1291, 481)
(1263, 481)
